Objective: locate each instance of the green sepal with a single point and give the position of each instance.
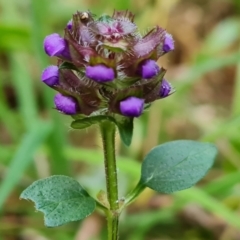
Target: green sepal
(67, 65)
(61, 199)
(88, 121)
(124, 124)
(177, 165)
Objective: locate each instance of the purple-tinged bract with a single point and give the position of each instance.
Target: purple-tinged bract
(100, 73)
(65, 104)
(132, 106)
(50, 76)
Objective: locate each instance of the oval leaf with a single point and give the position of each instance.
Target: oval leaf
(61, 199)
(177, 165)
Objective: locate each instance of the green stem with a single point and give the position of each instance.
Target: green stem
(134, 193)
(108, 138)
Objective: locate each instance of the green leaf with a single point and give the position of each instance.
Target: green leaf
(177, 165)
(125, 128)
(61, 199)
(88, 121)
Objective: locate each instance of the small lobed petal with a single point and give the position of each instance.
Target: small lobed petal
(50, 75)
(55, 45)
(65, 104)
(69, 25)
(168, 43)
(148, 69)
(132, 107)
(100, 73)
(165, 89)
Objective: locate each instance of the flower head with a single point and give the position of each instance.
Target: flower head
(106, 67)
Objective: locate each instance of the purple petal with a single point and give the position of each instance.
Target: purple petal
(132, 107)
(55, 45)
(65, 104)
(148, 69)
(50, 75)
(165, 89)
(69, 25)
(100, 73)
(168, 43)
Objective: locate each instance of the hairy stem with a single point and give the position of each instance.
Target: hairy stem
(108, 138)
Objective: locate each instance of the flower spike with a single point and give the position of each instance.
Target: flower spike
(106, 66)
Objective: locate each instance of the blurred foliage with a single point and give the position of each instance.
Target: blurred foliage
(35, 140)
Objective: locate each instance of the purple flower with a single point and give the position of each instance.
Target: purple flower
(100, 73)
(55, 45)
(168, 43)
(50, 76)
(165, 89)
(148, 68)
(132, 107)
(69, 25)
(65, 104)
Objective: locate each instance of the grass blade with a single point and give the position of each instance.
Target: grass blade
(23, 157)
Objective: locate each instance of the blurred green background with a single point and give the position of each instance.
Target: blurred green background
(36, 141)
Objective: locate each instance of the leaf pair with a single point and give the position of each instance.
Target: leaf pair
(167, 168)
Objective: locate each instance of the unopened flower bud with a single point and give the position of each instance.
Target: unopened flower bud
(65, 104)
(132, 107)
(168, 43)
(165, 89)
(50, 75)
(148, 68)
(69, 25)
(55, 45)
(100, 73)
